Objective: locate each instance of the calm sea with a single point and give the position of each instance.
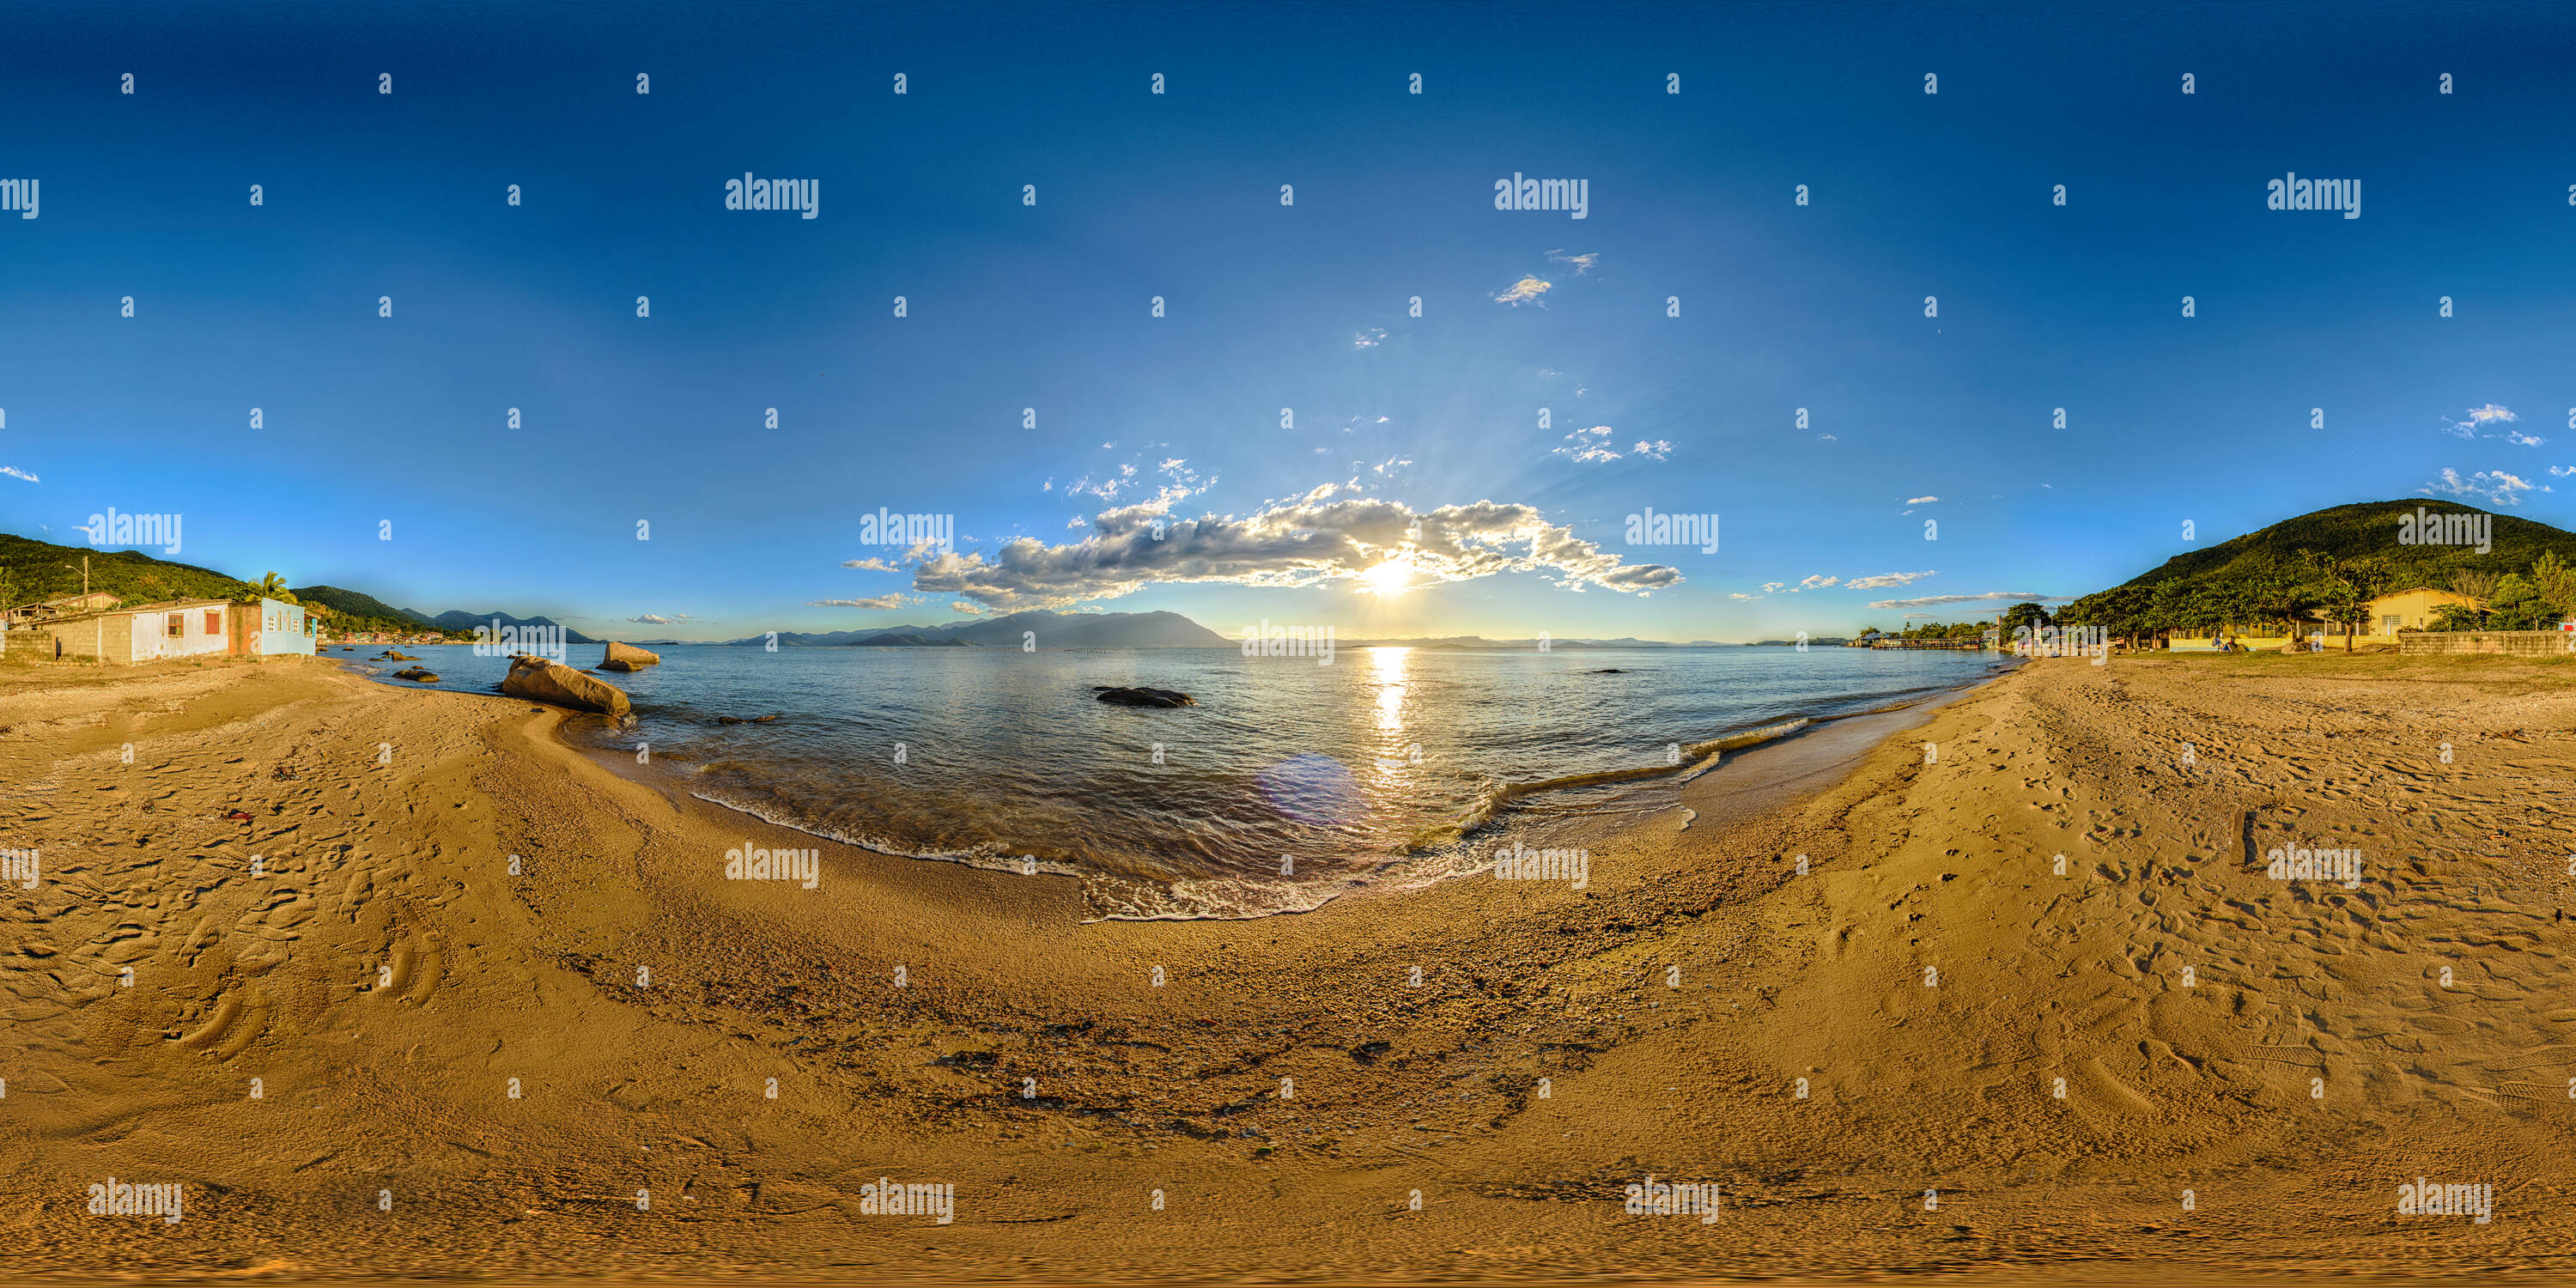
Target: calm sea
(1288, 784)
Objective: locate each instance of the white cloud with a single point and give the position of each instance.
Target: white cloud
(1818, 582)
(1591, 446)
(871, 564)
(2521, 439)
(1301, 542)
(1369, 339)
(1077, 521)
(895, 600)
(1582, 263)
(1528, 290)
(656, 619)
(1829, 438)
(2479, 420)
(961, 606)
(1741, 595)
(1654, 451)
(1921, 500)
(2495, 487)
(1886, 579)
(1393, 463)
(1773, 587)
(1992, 596)
(16, 473)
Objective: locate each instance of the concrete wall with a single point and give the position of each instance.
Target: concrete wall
(122, 638)
(152, 639)
(2512, 643)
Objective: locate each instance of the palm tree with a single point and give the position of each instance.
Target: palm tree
(273, 586)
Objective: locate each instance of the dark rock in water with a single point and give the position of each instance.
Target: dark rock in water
(729, 720)
(1610, 670)
(416, 675)
(1143, 697)
(764, 719)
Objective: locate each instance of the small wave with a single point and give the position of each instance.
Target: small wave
(989, 858)
(1109, 897)
(1501, 796)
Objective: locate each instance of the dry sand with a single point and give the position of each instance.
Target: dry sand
(385, 977)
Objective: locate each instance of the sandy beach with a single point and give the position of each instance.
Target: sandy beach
(505, 1014)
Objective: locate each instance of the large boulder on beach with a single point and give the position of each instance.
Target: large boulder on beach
(1126, 697)
(544, 680)
(626, 657)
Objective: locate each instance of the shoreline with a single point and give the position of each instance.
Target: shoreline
(1809, 772)
(389, 974)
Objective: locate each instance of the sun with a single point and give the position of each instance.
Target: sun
(1394, 577)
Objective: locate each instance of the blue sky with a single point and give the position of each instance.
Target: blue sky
(369, 420)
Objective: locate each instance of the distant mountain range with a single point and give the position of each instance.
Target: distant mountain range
(358, 604)
(1479, 641)
(1050, 629)
(1137, 630)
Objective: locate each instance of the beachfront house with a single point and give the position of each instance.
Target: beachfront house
(271, 628)
(142, 633)
(2415, 609)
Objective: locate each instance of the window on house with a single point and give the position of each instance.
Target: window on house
(214, 621)
(178, 625)
(2388, 625)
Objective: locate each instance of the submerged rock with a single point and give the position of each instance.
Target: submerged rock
(416, 675)
(626, 657)
(544, 680)
(1142, 697)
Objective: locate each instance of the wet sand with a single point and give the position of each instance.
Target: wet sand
(1289, 1087)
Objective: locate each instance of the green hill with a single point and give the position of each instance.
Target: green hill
(2367, 529)
(41, 570)
(356, 604)
(2327, 564)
